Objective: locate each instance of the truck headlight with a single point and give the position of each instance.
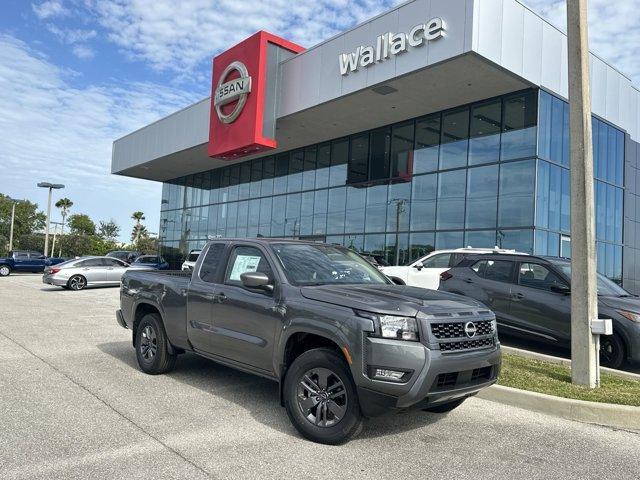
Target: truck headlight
(392, 326)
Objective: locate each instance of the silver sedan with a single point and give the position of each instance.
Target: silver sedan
(84, 272)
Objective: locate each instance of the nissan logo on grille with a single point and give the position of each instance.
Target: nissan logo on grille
(470, 329)
(235, 90)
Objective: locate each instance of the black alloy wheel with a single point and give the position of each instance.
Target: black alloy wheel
(152, 346)
(612, 352)
(321, 398)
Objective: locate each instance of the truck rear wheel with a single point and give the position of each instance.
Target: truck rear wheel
(321, 398)
(445, 407)
(5, 270)
(152, 348)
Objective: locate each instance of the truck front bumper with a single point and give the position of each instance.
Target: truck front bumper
(433, 377)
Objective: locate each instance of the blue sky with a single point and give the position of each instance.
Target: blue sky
(77, 74)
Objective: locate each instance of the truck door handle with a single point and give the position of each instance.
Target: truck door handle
(518, 296)
(220, 297)
(468, 280)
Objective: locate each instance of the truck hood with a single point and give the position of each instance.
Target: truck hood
(390, 299)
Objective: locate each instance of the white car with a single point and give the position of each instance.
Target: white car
(191, 260)
(425, 272)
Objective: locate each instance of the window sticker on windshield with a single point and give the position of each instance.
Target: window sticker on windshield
(243, 264)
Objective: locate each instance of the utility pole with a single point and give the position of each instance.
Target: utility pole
(399, 209)
(585, 369)
(13, 219)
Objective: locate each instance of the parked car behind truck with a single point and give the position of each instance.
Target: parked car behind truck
(26, 261)
(341, 339)
(530, 296)
(83, 272)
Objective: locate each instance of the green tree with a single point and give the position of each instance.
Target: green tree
(138, 217)
(108, 230)
(81, 224)
(64, 204)
(28, 219)
(147, 245)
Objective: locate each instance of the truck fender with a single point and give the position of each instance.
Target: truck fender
(158, 308)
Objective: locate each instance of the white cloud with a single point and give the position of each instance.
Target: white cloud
(49, 9)
(83, 52)
(71, 36)
(614, 30)
(177, 36)
(52, 130)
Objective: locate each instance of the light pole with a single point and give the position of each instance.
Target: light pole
(584, 301)
(51, 187)
(13, 219)
(399, 209)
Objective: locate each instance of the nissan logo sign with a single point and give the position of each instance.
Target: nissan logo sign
(470, 329)
(235, 90)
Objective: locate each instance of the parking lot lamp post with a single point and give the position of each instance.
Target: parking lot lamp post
(584, 301)
(51, 187)
(13, 219)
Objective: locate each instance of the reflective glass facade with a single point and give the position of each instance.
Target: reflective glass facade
(490, 173)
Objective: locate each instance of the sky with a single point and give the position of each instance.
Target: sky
(77, 74)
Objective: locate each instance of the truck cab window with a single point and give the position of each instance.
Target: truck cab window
(211, 263)
(246, 259)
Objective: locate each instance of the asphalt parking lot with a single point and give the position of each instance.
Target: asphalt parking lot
(75, 405)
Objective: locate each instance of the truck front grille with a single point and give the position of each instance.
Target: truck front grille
(467, 344)
(456, 329)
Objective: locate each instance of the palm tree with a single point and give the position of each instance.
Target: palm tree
(138, 217)
(64, 204)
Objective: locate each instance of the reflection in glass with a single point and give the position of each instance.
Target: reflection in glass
(402, 149)
(425, 157)
(359, 159)
(447, 240)
(455, 138)
(482, 197)
(380, 144)
(484, 145)
(336, 209)
(376, 208)
(339, 158)
(355, 208)
(421, 244)
(519, 126)
(481, 238)
(423, 202)
(515, 202)
(451, 192)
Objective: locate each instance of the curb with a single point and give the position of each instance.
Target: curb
(618, 416)
(565, 361)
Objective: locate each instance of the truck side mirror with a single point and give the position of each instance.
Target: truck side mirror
(560, 289)
(256, 280)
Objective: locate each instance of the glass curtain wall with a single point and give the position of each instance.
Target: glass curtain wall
(460, 177)
(490, 173)
(553, 227)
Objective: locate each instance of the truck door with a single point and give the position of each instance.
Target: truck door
(201, 296)
(245, 320)
(21, 262)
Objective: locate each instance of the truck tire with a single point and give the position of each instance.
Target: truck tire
(77, 282)
(445, 407)
(152, 349)
(321, 398)
(612, 351)
(5, 270)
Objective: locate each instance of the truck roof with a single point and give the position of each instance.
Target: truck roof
(270, 240)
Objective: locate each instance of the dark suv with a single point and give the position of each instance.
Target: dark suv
(530, 297)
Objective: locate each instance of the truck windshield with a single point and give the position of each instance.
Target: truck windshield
(306, 264)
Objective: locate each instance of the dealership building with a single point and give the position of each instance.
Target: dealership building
(438, 124)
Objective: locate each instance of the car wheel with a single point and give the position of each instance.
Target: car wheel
(77, 282)
(321, 399)
(445, 407)
(152, 348)
(5, 270)
(612, 351)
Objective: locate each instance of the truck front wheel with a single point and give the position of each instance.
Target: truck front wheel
(321, 398)
(5, 270)
(152, 350)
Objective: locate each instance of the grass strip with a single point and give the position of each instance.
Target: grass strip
(553, 379)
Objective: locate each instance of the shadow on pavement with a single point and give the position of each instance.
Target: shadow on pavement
(259, 396)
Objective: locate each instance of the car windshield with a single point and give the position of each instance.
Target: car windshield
(605, 286)
(306, 264)
(147, 260)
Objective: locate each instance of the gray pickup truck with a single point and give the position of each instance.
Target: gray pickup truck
(342, 340)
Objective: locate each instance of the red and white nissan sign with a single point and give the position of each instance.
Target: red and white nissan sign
(242, 84)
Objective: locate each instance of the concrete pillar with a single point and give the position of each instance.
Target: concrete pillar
(584, 300)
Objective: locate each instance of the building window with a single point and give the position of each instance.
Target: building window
(402, 149)
(484, 144)
(359, 159)
(455, 138)
(482, 197)
(451, 193)
(427, 145)
(379, 149)
(339, 157)
(519, 126)
(516, 195)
